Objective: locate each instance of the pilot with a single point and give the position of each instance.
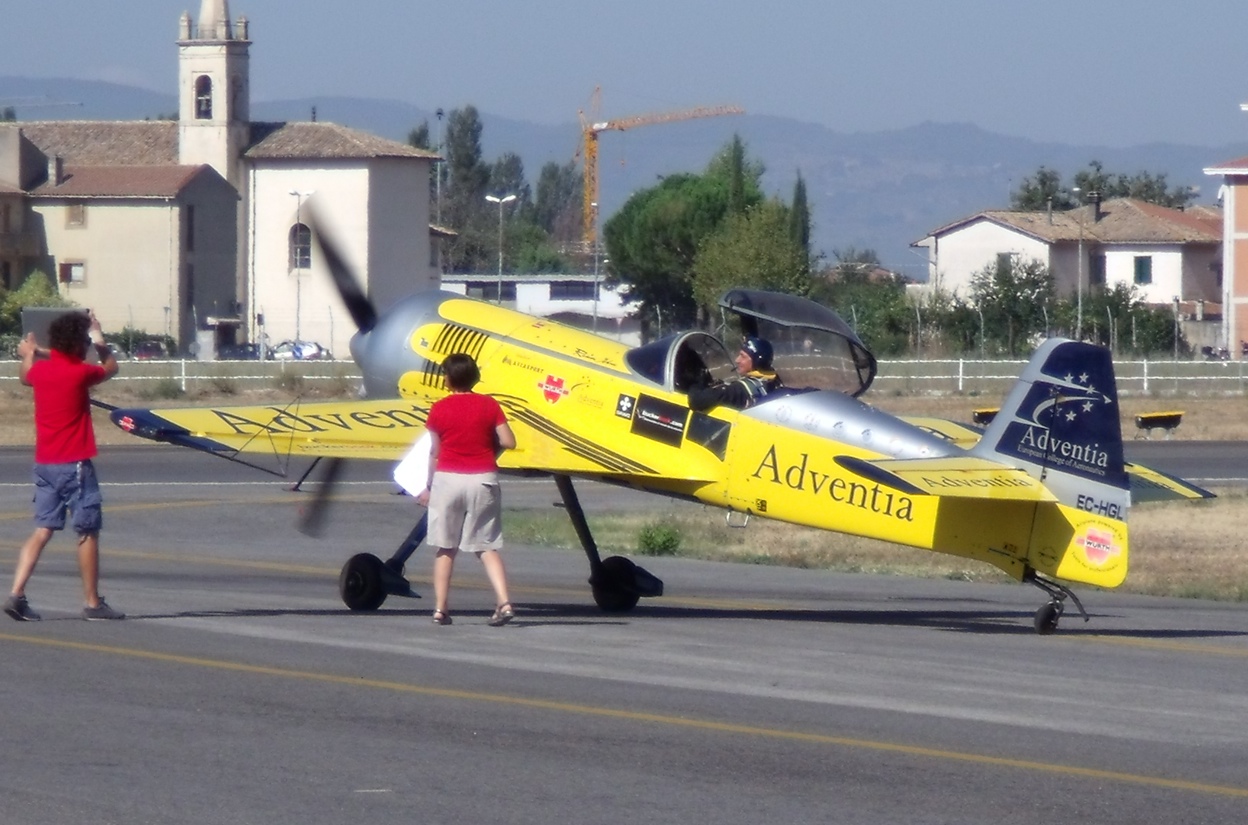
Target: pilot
(755, 379)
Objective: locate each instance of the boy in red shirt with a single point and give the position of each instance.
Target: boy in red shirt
(64, 446)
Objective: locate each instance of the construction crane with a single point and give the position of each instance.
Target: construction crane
(591, 128)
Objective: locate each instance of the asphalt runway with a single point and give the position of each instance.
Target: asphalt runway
(240, 690)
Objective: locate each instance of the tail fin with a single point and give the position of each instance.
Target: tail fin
(1060, 423)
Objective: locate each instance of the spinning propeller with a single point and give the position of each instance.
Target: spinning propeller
(313, 516)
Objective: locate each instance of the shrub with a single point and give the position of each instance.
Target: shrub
(658, 539)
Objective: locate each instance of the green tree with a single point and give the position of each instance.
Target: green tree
(799, 219)
(1119, 318)
(38, 290)
(741, 175)
(1012, 297)
(751, 249)
(419, 137)
(9, 115)
(557, 203)
(871, 300)
(463, 199)
(653, 241)
(1040, 191)
(1044, 189)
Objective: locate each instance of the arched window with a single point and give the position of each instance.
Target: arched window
(300, 247)
(203, 97)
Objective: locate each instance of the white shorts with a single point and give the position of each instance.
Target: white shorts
(465, 512)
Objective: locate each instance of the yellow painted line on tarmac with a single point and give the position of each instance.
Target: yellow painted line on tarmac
(1181, 646)
(707, 725)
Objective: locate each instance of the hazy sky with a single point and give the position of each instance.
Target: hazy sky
(1072, 71)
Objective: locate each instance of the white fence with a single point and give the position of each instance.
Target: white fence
(1159, 377)
(935, 377)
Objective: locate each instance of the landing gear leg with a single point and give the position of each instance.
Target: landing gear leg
(1048, 616)
(366, 580)
(617, 583)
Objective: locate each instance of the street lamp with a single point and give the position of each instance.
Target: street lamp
(596, 249)
(500, 201)
(1079, 284)
(299, 247)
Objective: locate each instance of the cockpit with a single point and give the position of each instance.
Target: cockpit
(814, 348)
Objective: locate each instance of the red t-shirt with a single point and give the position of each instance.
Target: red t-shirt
(464, 423)
(63, 430)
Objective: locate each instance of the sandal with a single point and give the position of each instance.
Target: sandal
(502, 615)
(441, 617)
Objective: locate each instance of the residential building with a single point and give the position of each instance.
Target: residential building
(578, 300)
(1234, 197)
(1168, 255)
(202, 227)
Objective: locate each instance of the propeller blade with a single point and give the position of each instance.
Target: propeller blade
(361, 308)
(313, 515)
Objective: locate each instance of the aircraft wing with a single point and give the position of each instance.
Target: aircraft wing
(963, 435)
(344, 429)
(955, 477)
(266, 436)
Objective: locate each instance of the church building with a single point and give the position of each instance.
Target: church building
(200, 228)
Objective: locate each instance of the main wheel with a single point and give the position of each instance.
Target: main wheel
(1047, 618)
(615, 592)
(359, 583)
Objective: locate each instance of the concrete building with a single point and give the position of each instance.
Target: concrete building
(1166, 254)
(200, 227)
(1234, 197)
(578, 300)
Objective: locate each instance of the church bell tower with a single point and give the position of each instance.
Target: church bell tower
(214, 90)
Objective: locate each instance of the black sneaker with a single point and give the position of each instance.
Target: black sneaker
(101, 612)
(19, 609)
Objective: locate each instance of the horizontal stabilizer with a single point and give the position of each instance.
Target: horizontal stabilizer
(1149, 485)
(955, 477)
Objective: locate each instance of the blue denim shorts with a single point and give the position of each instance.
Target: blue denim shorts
(72, 487)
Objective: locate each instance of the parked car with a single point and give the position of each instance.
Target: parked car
(299, 351)
(149, 351)
(239, 352)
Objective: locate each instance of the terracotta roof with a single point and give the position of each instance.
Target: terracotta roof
(324, 140)
(103, 142)
(1123, 220)
(1230, 166)
(120, 182)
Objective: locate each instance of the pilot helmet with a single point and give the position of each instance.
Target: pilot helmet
(759, 351)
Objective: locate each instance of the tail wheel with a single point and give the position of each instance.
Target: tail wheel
(1047, 618)
(360, 582)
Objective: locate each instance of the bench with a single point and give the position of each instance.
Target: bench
(983, 416)
(1168, 421)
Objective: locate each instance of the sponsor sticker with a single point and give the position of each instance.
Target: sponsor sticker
(624, 406)
(1099, 544)
(659, 420)
(552, 388)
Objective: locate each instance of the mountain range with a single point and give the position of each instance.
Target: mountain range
(867, 190)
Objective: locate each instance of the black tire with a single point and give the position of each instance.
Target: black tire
(1047, 618)
(360, 583)
(614, 592)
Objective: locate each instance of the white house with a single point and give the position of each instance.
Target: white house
(578, 300)
(1167, 254)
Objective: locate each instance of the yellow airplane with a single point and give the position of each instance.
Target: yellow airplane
(1042, 493)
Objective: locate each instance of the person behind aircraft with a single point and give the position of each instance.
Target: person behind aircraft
(755, 379)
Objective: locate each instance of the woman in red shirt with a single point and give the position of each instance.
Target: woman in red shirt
(468, 430)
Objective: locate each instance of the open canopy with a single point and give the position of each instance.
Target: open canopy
(814, 347)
